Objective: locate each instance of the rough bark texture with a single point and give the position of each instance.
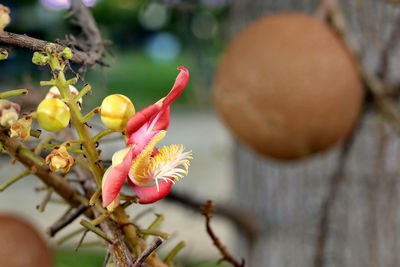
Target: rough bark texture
(313, 213)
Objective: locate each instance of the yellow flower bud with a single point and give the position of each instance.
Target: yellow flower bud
(60, 159)
(4, 17)
(9, 112)
(22, 128)
(53, 114)
(116, 110)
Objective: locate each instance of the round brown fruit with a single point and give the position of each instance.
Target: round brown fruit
(287, 87)
(21, 245)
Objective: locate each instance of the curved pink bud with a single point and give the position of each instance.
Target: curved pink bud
(150, 194)
(180, 83)
(141, 117)
(116, 178)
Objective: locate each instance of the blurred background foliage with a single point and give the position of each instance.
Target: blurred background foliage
(150, 40)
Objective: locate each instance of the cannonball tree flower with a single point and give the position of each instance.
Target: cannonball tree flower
(150, 171)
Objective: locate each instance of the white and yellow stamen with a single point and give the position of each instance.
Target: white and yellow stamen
(171, 163)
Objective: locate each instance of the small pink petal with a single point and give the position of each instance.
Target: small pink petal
(141, 117)
(116, 178)
(180, 84)
(150, 194)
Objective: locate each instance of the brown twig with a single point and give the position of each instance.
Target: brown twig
(336, 180)
(235, 214)
(208, 209)
(146, 253)
(20, 152)
(81, 240)
(66, 220)
(24, 41)
(94, 45)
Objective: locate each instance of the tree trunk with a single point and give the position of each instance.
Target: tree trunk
(338, 208)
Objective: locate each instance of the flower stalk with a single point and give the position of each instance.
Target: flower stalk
(13, 93)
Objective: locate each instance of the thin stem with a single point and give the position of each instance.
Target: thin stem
(72, 81)
(81, 240)
(107, 258)
(90, 114)
(95, 230)
(42, 142)
(13, 180)
(66, 219)
(88, 144)
(31, 156)
(70, 235)
(102, 134)
(13, 93)
(146, 253)
(48, 83)
(154, 225)
(83, 163)
(42, 206)
(35, 133)
(174, 251)
(83, 92)
(95, 196)
(154, 232)
(100, 219)
(73, 149)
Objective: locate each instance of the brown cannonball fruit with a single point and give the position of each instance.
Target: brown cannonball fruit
(21, 245)
(287, 87)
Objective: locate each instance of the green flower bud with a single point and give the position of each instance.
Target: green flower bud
(67, 53)
(39, 59)
(3, 54)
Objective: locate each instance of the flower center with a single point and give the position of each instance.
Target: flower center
(171, 163)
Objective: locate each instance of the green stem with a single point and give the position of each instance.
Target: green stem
(88, 144)
(154, 232)
(13, 93)
(13, 180)
(95, 230)
(31, 155)
(174, 251)
(100, 219)
(154, 225)
(69, 236)
(83, 92)
(90, 114)
(42, 142)
(102, 134)
(36, 133)
(69, 148)
(72, 81)
(48, 83)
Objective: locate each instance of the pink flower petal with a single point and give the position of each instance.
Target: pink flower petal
(150, 194)
(163, 121)
(116, 178)
(180, 84)
(141, 117)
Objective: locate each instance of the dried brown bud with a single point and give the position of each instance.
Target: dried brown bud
(22, 128)
(60, 159)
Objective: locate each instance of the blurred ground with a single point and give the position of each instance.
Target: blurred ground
(209, 178)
